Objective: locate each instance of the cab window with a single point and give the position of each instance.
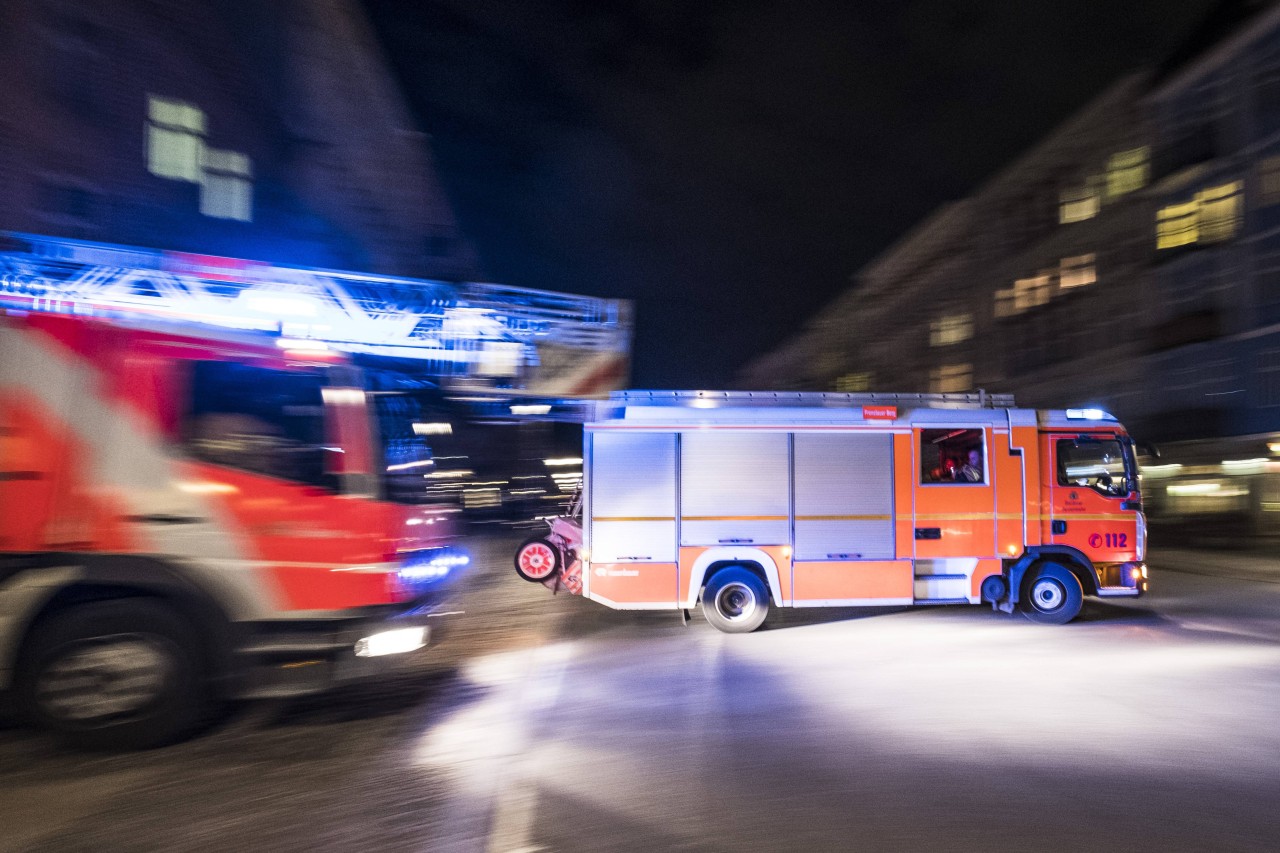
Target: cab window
(1093, 464)
(265, 421)
(952, 456)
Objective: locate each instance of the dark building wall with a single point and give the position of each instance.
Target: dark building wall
(336, 174)
(1068, 271)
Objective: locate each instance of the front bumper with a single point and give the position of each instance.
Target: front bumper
(1122, 580)
(286, 658)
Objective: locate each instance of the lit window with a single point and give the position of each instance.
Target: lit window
(1077, 271)
(1078, 204)
(226, 192)
(1212, 216)
(1128, 171)
(853, 382)
(951, 330)
(1220, 212)
(951, 378)
(1177, 225)
(175, 139)
(1269, 180)
(1030, 292)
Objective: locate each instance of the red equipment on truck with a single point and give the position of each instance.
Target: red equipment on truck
(193, 515)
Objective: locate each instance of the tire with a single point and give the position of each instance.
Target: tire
(122, 674)
(1051, 595)
(735, 600)
(537, 560)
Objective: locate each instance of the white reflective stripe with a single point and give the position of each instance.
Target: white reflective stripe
(129, 460)
(851, 602)
(629, 605)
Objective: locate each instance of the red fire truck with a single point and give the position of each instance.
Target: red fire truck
(189, 515)
(742, 501)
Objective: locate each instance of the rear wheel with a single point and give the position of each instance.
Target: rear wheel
(122, 674)
(537, 560)
(1051, 595)
(736, 601)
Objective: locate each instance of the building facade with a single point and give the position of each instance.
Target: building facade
(1130, 260)
(272, 131)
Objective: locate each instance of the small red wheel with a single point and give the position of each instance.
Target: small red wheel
(537, 560)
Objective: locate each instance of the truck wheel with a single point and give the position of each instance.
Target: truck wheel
(1051, 595)
(735, 601)
(121, 674)
(537, 560)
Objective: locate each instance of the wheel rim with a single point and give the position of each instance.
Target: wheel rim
(537, 560)
(736, 602)
(1047, 594)
(103, 678)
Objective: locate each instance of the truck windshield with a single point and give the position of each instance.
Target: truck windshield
(1099, 464)
(412, 432)
(255, 419)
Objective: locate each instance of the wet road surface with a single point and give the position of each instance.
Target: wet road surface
(554, 724)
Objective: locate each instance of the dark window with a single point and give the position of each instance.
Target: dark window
(1093, 464)
(266, 421)
(411, 428)
(952, 456)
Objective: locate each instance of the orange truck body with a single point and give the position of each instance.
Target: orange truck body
(109, 492)
(848, 500)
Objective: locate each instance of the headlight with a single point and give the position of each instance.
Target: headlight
(394, 642)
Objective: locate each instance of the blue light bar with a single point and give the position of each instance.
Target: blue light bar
(474, 330)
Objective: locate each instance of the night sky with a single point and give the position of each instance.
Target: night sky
(728, 165)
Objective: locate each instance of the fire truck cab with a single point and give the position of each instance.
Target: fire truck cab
(742, 501)
(194, 515)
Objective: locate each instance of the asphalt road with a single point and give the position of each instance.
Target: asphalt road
(553, 724)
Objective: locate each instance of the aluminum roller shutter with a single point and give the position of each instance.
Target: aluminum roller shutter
(844, 496)
(734, 486)
(632, 497)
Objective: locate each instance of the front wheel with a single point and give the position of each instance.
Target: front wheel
(537, 560)
(1051, 595)
(735, 601)
(120, 674)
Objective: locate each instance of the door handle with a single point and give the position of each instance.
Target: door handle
(1058, 526)
(928, 532)
(164, 518)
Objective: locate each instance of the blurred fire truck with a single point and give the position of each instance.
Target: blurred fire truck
(741, 501)
(194, 515)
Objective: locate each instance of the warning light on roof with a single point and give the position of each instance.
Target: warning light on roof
(302, 345)
(1088, 415)
(279, 304)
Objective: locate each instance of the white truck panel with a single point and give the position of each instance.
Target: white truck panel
(632, 497)
(844, 496)
(735, 488)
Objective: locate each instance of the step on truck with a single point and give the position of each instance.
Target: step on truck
(192, 516)
(743, 501)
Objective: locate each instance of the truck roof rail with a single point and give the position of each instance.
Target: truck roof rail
(968, 400)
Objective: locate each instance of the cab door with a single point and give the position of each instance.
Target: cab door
(1092, 503)
(955, 496)
(287, 455)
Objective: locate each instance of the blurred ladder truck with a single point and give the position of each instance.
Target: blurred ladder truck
(742, 501)
(190, 514)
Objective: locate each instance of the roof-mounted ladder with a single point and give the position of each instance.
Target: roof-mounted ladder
(720, 399)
